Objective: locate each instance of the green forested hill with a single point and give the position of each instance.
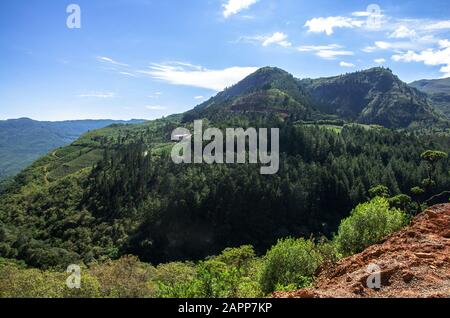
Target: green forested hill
(115, 190)
(24, 140)
(269, 90)
(438, 91)
(374, 96)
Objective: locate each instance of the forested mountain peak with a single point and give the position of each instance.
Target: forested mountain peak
(268, 90)
(372, 96)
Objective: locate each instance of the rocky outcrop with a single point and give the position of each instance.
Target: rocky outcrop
(414, 262)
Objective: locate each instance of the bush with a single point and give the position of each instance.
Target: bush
(125, 278)
(240, 257)
(17, 282)
(214, 279)
(403, 202)
(233, 273)
(290, 262)
(367, 225)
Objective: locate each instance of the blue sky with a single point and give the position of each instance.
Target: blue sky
(151, 58)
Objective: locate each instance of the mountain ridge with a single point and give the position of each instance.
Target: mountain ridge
(372, 96)
(438, 91)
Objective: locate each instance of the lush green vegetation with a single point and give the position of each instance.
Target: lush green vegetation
(23, 140)
(368, 223)
(236, 272)
(133, 203)
(115, 192)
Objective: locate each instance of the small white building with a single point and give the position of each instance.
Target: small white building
(180, 137)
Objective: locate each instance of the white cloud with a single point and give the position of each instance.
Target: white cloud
(433, 57)
(333, 54)
(369, 49)
(235, 6)
(383, 45)
(361, 14)
(380, 61)
(440, 25)
(329, 52)
(199, 97)
(98, 95)
(444, 43)
(327, 25)
(155, 95)
(405, 45)
(155, 107)
(403, 32)
(346, 64)
(309, 48)
(110, 60)
(177, 73)
(278, 38)
(127, 74)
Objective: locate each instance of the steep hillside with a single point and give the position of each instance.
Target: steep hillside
(414, 262)
(23, 140)
(374, 96)
(438, 91)
(269, 90)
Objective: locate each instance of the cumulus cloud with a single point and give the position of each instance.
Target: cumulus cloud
(233, 7)
(380, 61)
(327, 25)
(178, 73)
(403, 32)
(278, 38)
(434, 57)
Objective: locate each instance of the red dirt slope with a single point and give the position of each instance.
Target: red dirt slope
(414, 262)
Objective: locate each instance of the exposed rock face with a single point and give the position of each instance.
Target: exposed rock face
(414, 262)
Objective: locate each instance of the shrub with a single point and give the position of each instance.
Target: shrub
(16, 282)
(403, 202)
(124, 278)
(367, 225)
(290, 262)
(240, 257)
(214, 279)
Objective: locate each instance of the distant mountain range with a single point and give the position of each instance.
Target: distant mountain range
(24, 140)
(374, 96)
(439, 92)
